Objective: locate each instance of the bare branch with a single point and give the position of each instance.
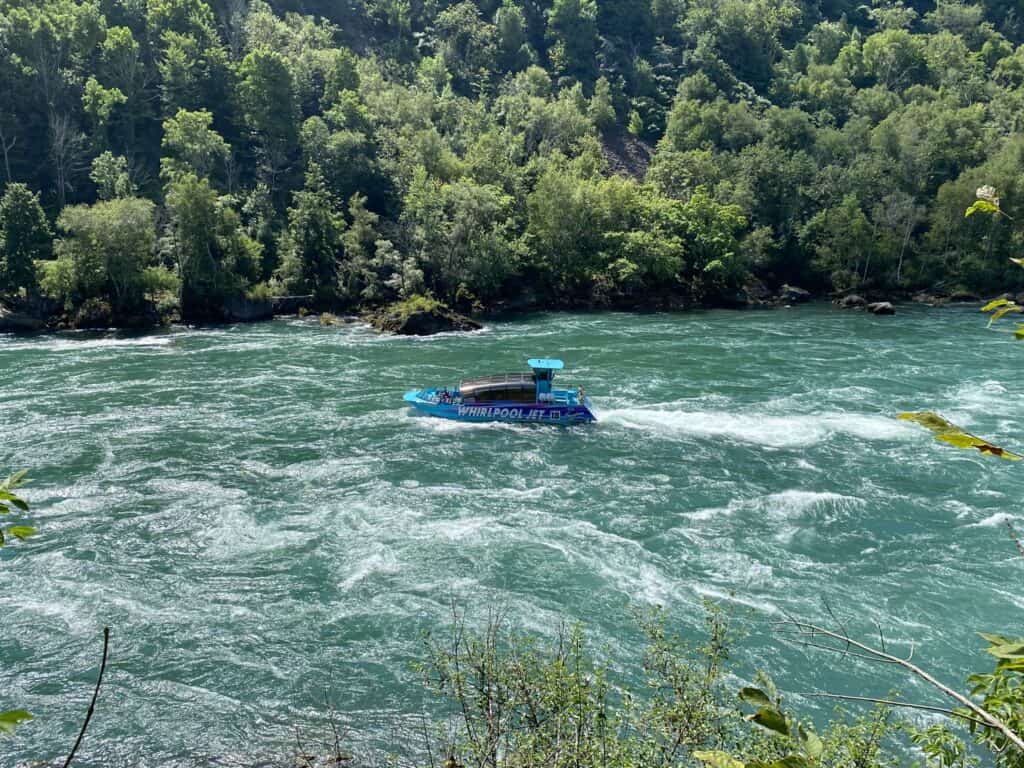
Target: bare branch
(427, 739)
(984, 715)
(913, 647)
(1016, 539)
(303, 759)
(95, 693)
(846, 653)
(893, 703)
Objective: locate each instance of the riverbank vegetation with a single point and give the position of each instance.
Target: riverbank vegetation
(504, 699)
(179, 155)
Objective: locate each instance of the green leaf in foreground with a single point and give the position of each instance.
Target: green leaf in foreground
(791, 761)
(813, 745)
(718, 759)
(995, 304)
(771, 719)
(21, 531)
(1002, 307)
(948, 432)
(7, 495)
(12, 718)
(755, 697)
(1007, 650)
(994, 639)
(1003, 311)
(982, 206)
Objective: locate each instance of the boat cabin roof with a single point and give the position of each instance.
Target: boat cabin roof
(544, 363)
(470, 388)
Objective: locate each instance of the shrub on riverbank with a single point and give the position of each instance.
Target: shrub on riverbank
(507, 699)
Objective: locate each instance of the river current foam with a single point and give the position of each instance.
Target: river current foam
(260, 520)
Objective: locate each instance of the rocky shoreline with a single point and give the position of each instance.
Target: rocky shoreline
(422, 316)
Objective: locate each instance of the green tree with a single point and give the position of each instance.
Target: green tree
(24, 237)
(312, 244)
(842, 241)
(601, 108)
(712, 238)
(572, 29)
(110, 175)
(514, 48)
(53, 43)
(122, 68)
(99, 104)
(341, 75)
(467, 45)
(463, 234)
(193, 73)
(360, 276)
(215, 257)
(191, 62)
(193, 146)
(109, 245)
(266, 95)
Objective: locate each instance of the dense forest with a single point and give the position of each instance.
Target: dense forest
(177, 155)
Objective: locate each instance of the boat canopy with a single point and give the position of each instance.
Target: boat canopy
(497, 386)
(545, 364)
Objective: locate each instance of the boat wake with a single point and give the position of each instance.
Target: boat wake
(773, 431)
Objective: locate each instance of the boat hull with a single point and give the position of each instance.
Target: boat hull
(516, 413)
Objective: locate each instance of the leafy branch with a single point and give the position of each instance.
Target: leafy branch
(805, 747)
(12, 718)
(950, 433)
(988, 202)
(9, 499)
(1001, 307)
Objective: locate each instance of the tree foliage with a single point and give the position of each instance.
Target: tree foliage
(24, 237)
(575, 148)
(107, 247)
(508, 699)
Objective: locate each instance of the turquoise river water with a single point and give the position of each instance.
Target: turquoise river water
(262, 523)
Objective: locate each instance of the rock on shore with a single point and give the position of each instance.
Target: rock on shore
(881, 308)
(855, 301)
(791, 294)
(420, 316)
(851, 301)
(19, 322)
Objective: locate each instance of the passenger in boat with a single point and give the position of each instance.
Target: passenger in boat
(579, 395)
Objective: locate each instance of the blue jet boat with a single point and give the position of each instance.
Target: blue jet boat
(515, 397)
